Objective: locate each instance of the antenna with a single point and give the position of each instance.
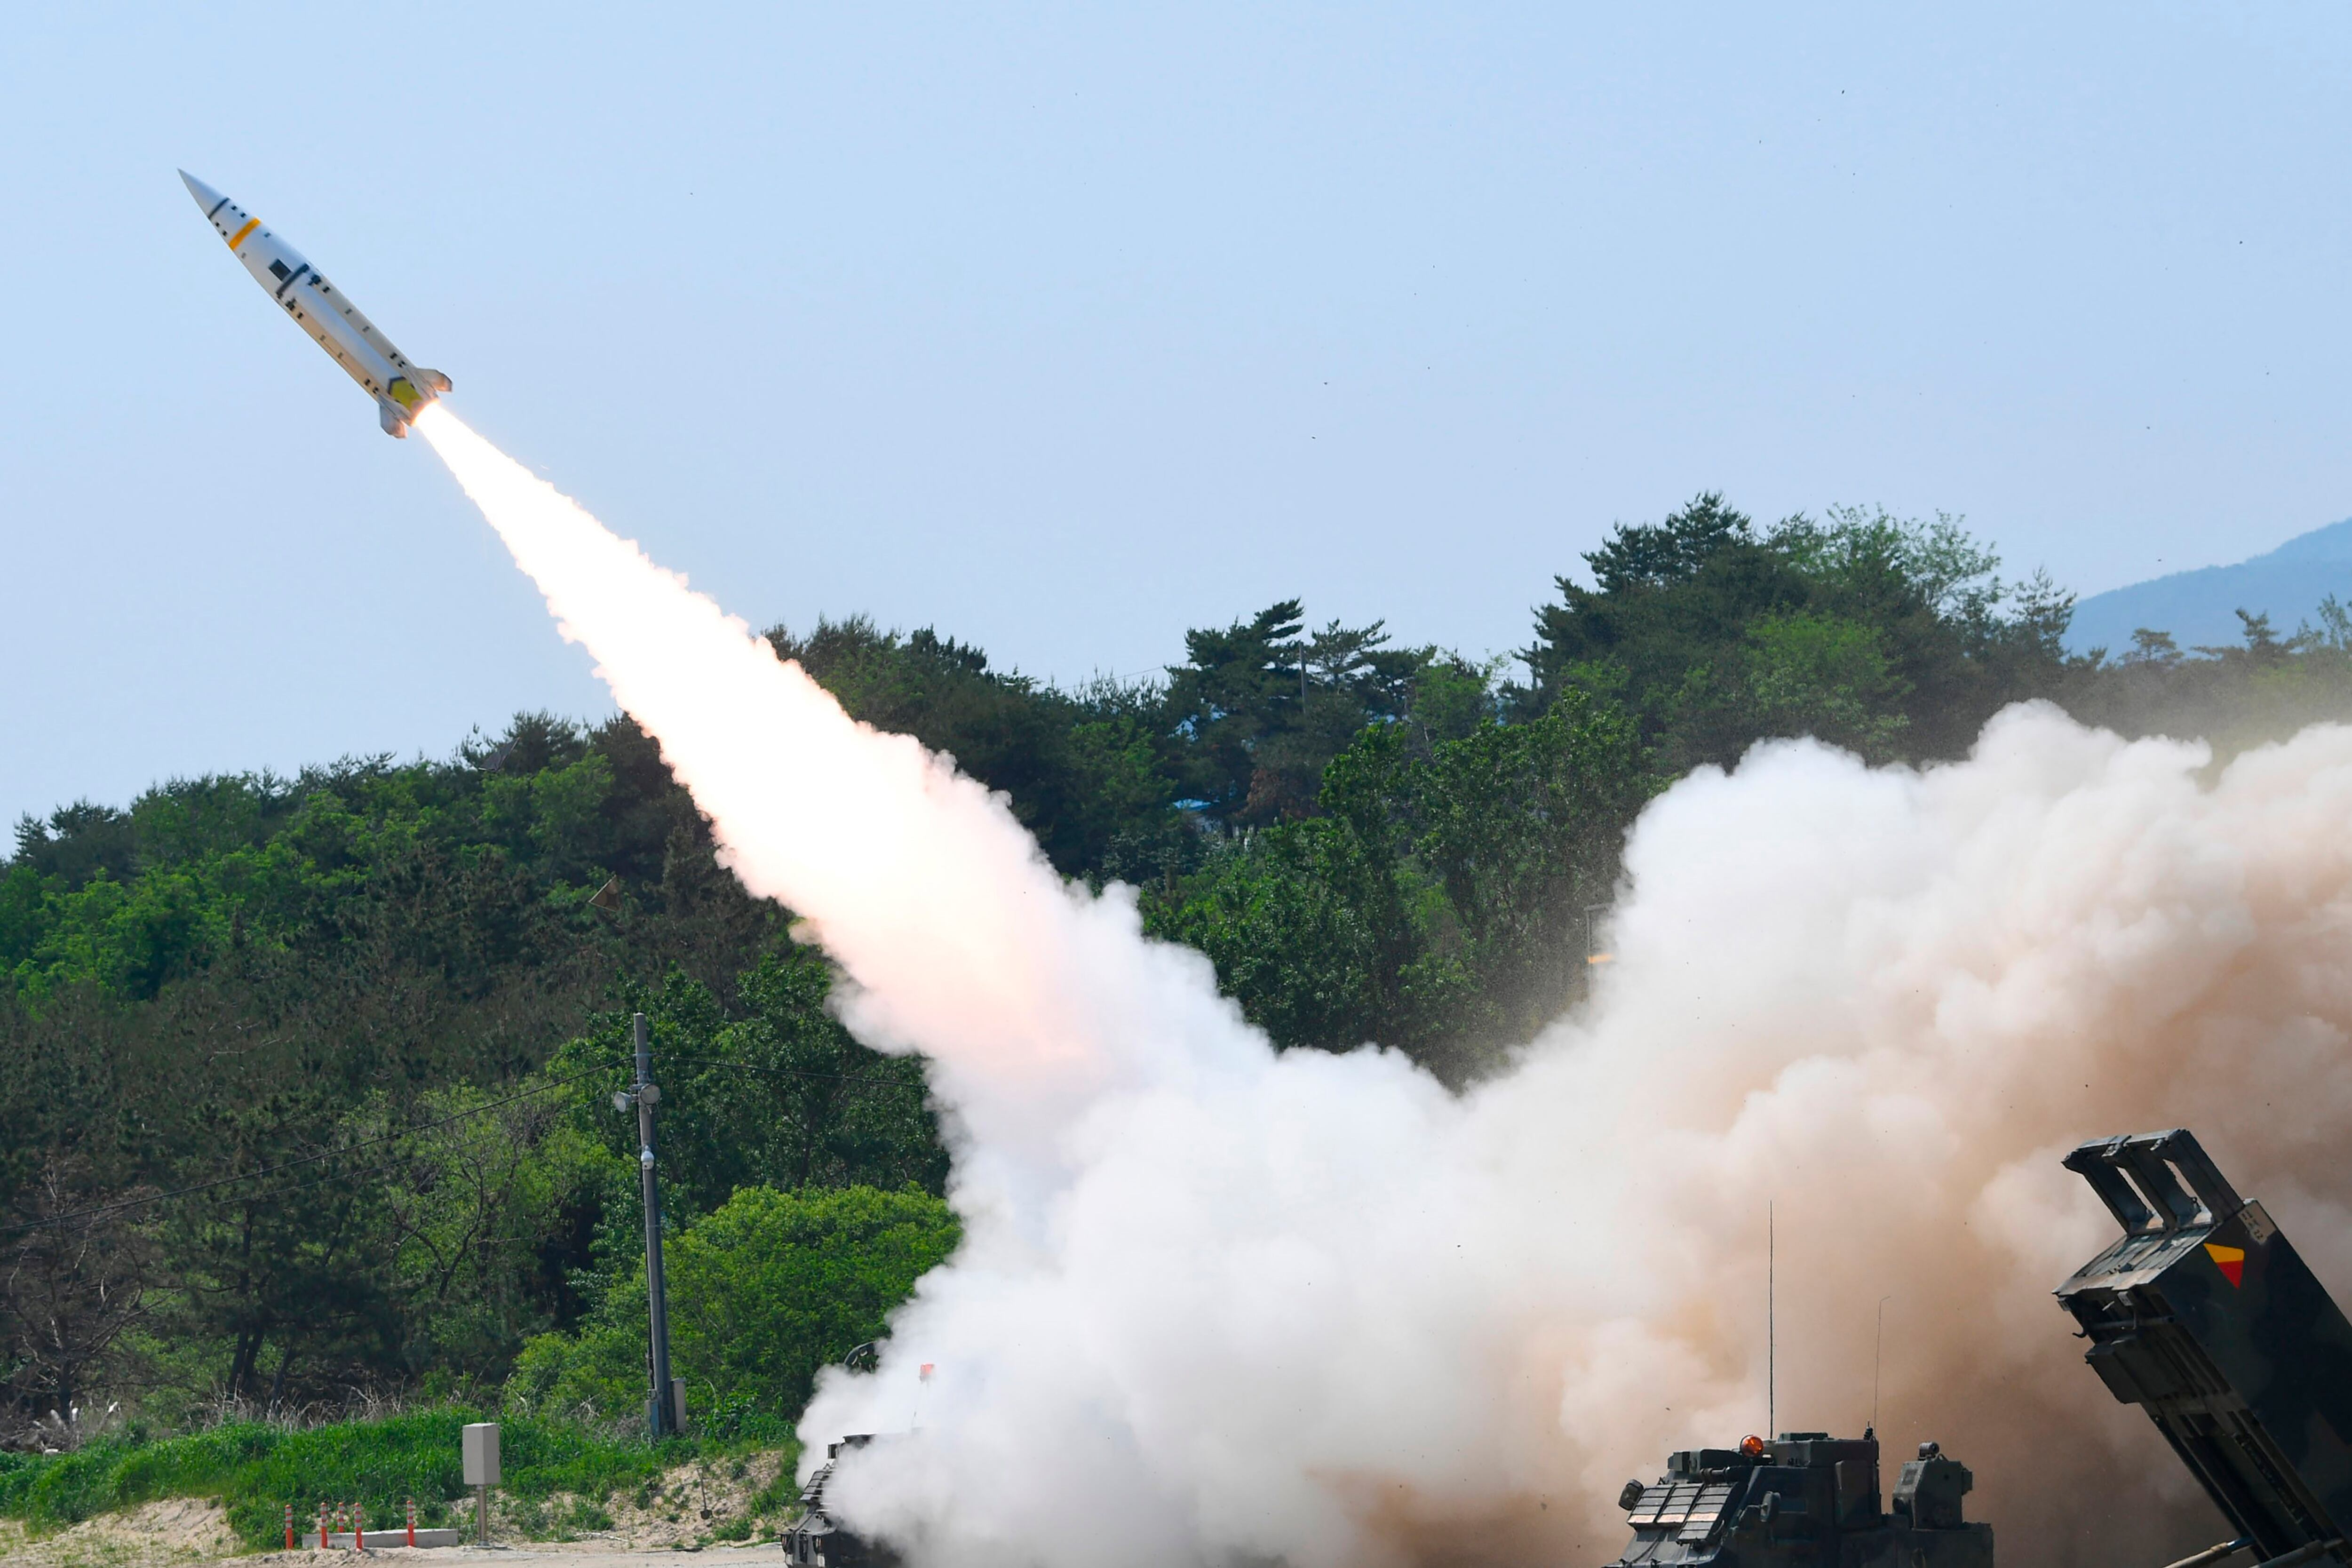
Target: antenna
(1877, 1355)
(1771, 1337)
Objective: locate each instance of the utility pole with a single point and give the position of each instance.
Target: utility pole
(665, 1411)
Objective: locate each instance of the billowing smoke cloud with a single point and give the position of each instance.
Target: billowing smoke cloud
(1220, 1306)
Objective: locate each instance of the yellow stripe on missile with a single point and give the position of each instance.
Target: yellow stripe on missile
(238, 238)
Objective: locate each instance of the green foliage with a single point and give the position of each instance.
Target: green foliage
(258, 1470)
(1440, 901)
(1895, 638)
(1309, 926)
(773, 1091)
(478, 1213)
(1079, 767)
(456, 870)
(596, 1371)
(1805, 672)
(2263, 688)
(763, 1291)
(375, 1013)
(238, 973)
(441, 1254)
(1258, 708)
(774, 1285)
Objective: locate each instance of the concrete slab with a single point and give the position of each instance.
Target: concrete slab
(397, 1536)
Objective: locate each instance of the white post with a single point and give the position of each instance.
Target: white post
(480, 1445)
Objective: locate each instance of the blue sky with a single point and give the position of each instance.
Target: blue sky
(1064, 329)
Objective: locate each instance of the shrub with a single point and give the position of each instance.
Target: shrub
(257, 1469)
(763, 1291)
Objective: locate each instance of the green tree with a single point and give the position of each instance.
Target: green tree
(1438, 903)
(1259, 707)
(1062, 758)
(1894, 637)
(1522, 826)
(1803, 672)
(778, 1093)
(774, 1285)
(763, 1291)
(258, 977)
(2264, 688)
(484, 1215)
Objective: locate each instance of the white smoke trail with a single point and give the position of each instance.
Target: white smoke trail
(1217, 1306)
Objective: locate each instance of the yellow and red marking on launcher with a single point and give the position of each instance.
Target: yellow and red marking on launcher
(2230, 1260)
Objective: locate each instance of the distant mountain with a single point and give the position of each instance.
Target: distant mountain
(2202, 606)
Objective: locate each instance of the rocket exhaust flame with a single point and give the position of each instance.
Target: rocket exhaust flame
(1216, 1305)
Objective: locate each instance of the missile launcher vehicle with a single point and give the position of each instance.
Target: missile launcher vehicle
(2201, 1313)
(817, 1540)
(1803, 1500)
(2205, 1317)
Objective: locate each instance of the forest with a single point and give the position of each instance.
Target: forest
(308, 1078)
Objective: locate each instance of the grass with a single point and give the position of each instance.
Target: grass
(257, 1469)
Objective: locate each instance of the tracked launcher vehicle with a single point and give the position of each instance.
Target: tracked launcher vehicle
(817, 1540)
(2205, 1317)
(2201, 1313)
(1805, 1500)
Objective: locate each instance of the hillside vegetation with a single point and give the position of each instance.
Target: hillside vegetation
(260, 1470)
(309, 1078)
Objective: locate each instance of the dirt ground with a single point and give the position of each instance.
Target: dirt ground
(679, 1516)
(182, 1531)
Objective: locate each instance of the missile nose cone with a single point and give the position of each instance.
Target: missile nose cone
(206, 197)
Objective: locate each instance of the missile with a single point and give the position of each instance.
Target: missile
(399, 389)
